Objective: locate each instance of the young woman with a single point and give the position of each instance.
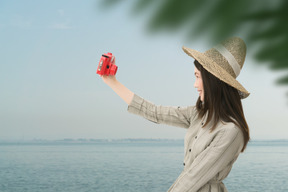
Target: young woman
(217, 131)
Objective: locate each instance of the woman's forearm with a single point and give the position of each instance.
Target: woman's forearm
(122, 91)
(119, 88)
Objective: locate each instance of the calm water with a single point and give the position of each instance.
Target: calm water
(137, 167)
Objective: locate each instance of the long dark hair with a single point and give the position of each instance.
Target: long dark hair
(222, 102)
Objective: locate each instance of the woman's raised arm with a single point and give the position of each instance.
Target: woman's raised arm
(119, 88)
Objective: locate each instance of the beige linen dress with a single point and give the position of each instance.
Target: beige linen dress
(209, 156)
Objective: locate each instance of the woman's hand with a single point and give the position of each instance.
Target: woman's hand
(110, 79)
(120, 89)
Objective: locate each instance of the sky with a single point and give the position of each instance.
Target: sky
(49, 88)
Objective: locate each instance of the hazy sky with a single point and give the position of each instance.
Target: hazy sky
(49, 88)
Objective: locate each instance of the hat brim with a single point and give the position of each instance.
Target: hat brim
(212, 67)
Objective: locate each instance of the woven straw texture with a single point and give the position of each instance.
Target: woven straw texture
(215, 63)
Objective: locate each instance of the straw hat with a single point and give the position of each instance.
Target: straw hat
(224, 61)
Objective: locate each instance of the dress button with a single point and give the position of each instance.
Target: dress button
(196, 137)
(184, 164)
(189, 150)
(202, 123)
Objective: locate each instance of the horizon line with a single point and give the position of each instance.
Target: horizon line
(83, 140)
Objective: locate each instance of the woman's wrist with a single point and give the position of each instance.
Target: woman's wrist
(109, 80)
(119, 88)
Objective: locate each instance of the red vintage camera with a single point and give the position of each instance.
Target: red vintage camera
(107, 65)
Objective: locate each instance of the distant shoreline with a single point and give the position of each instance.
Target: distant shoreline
(124, 140)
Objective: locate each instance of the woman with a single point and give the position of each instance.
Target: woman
(217, 131)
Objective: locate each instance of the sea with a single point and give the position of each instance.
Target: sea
(129, 165)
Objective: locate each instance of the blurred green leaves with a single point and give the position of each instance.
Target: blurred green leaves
(262, 23)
